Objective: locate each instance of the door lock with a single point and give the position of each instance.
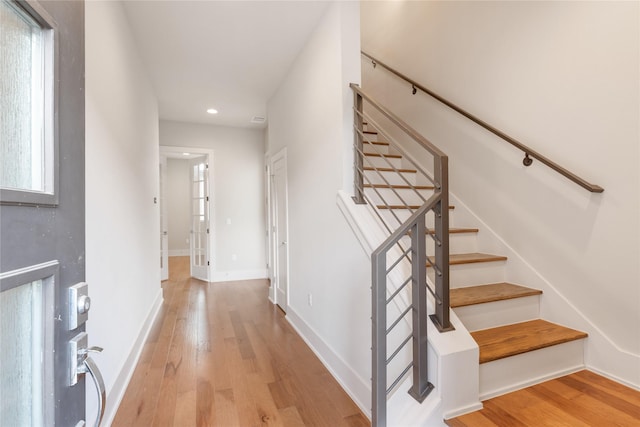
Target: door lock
(79, 305)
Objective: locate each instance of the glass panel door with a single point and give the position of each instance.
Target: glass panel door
(43, 248)
(21, 352)
(200, 218)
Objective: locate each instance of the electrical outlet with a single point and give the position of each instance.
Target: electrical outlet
(310, 300)
(234, 257)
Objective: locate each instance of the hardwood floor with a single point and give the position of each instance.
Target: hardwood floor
(222, 355)
(583, 399)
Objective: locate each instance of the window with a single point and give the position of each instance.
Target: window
(27, 143)
(26, 347)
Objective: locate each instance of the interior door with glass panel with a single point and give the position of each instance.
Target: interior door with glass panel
(199, 241)
(42, 235)
(164, 226)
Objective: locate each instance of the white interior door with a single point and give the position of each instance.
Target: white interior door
(164, 232)
(199, 241)
(280, 234)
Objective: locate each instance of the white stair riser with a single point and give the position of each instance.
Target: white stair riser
(375, 148)
(397, 196)
(458, 243)
(498, 313)
(472, 274)
(392, 178)
(382, 162)
(403, 214)
(520, 371)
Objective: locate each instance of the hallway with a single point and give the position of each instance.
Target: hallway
(222, 355)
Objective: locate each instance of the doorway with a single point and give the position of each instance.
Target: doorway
(279, 229)
(187, 209)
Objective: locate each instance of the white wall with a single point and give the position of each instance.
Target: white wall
(178, 206)
(563, 78)
(309, 114)
(122, 227)
(238, 193)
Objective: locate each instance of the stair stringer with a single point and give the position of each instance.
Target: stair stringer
(453, 356)
(601, 353)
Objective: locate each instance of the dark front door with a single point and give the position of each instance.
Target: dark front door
(42, 237)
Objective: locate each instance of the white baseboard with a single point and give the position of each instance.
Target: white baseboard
(119, 387)
(178, 252)
(358, 389)
(233, 275)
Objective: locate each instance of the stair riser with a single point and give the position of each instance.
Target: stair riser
(520, 371)
(404, 214)
(472, 274)
(375, 149)
(393, 178)
(458, 243)
(498, 313)
(383, 162)
(409, 196)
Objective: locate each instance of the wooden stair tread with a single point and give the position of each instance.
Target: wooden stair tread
(371, 168)
(375, 142)
(470, 258)
(391, 156)
(400, 187)
(413, 207)
(371, 132)
(461, 297)
(510, 340)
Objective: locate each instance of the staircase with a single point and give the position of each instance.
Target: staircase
(516, 347)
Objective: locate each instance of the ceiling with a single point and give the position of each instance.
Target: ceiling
(227, 55)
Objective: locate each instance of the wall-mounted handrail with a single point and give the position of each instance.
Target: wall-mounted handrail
(529, 152)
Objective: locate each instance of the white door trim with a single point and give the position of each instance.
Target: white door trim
(272, 224)
(177, 152)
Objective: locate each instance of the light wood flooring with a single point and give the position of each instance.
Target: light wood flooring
(222, 355)
(583, 399)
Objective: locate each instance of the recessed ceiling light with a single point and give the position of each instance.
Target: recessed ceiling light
(186, 154)
(212, 111)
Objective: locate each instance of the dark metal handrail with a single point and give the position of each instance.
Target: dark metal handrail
(529, 152)
(414, 227)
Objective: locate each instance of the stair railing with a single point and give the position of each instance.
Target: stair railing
(529, 153)
(387, 259)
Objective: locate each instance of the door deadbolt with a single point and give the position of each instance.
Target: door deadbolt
(84, 304)
(79, 305)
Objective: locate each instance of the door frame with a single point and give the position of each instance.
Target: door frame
(168, 151)
(272, 224)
